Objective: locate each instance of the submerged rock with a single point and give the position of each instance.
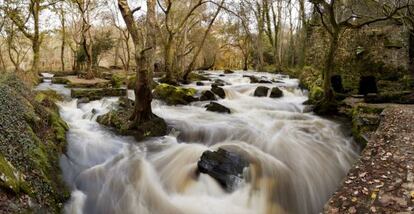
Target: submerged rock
(173, 95)
(276, 93)
(261, 91)
(207, 95)
(199, 83)
(224, 166)
(220, 82)
(265, 81)
(253, 79)
(215, 107)
(218, 90)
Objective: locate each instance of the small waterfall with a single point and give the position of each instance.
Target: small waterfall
(297, 160)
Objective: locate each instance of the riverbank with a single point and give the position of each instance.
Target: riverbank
(382, 181)
(32, 138)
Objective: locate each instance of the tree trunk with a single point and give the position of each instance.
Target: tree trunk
(303, 34)
(169, 57)
(36, 38)
(62, 49)
(329, 67)
(143, 96)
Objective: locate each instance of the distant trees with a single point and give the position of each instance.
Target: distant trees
(20, 13)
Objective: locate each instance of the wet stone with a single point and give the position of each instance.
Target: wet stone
(224, 166)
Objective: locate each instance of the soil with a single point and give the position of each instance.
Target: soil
(382, 181)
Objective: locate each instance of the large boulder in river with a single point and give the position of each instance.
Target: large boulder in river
(227, 71)
(215, 107)
(218, 90)
(173, 95)
(276, 93)
(207, 95)
(261, 91)
(224, 166)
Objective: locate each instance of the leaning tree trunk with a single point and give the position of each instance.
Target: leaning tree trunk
(191, 67)
(329, 68)
(143, 96)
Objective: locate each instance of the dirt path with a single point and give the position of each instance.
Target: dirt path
(382, 181)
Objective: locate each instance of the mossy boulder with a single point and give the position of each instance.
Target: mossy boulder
(97, 93)
(32, 138)
(365, 121)
(198, 77)
(117, 80)
(316, 94)
(173, 95)
(119, 120)
(10, 178)
(60, 80)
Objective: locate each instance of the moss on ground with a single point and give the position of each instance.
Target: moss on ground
(32, 138)
(365, 121)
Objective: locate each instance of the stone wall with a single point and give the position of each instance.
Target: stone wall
(380, 50)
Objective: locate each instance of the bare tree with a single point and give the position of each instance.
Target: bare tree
(143, 58)
(84, 7)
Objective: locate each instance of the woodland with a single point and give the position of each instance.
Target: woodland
(345, 68)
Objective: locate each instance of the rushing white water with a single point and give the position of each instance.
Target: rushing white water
(297, 159)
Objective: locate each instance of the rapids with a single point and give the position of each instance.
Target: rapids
(297, 159)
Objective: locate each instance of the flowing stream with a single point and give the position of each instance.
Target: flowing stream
(297, 160)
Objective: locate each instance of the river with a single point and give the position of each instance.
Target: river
(297, 160)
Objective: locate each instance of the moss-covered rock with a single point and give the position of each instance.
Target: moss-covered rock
(98, 93)
(315, 94)
(32, 138)
(198, 77)
(365, 120)
(119, 120)
(10, 178)
(173, 95)
(117, 80)
(60, 80)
